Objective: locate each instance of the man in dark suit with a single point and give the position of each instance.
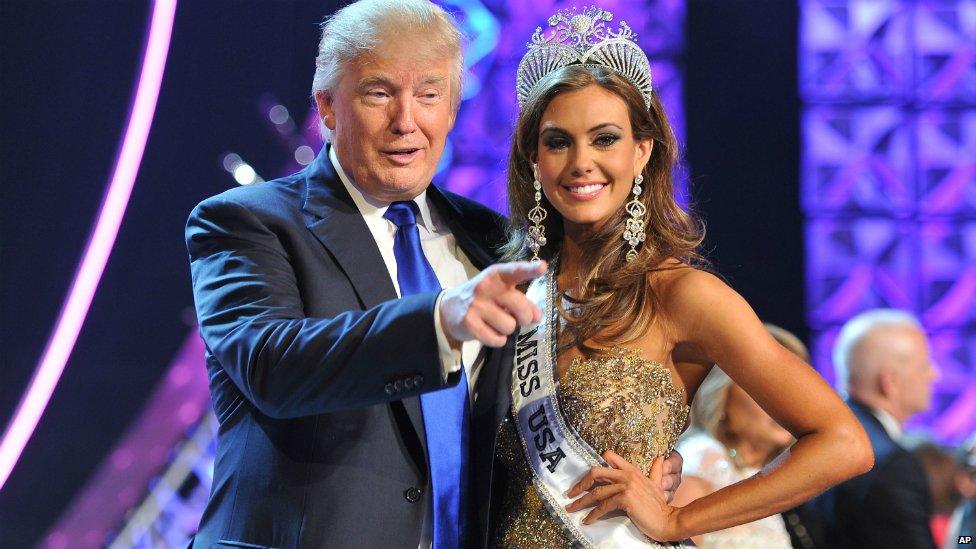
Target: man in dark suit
(883, 362)
(319, 299)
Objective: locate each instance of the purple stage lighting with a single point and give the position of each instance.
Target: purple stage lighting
(58, 350)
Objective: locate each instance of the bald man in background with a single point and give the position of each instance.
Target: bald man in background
(884, 365)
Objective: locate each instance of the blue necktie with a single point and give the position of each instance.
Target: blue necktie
(446, 413)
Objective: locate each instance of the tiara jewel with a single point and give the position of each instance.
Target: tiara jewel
(583, 38)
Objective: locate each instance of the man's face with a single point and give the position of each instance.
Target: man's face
(915, 369)
(389, 116)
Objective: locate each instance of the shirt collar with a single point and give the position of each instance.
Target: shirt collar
(370, 207)
(889, 423)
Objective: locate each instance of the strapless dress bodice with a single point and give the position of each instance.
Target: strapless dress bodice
(616, 401)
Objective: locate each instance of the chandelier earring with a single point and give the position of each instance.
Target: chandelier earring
(536, 237)
(634, 231)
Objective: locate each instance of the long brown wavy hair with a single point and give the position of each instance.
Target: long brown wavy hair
(614, 302)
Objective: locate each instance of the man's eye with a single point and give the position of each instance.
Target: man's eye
(377, 94)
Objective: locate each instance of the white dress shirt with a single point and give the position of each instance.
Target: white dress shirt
(452, 268)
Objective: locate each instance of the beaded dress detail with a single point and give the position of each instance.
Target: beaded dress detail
(617, 401)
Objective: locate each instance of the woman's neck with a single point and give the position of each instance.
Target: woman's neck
(742, 453)
(570, 263)
(571, 252)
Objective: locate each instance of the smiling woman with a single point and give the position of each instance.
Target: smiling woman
(588, 164)
(587, 126)
(600, 389)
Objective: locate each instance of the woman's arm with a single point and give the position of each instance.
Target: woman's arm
(831, 445)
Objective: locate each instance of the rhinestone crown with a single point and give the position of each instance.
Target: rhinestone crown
(583, 38)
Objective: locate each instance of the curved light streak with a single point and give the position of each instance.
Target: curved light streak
(102, 240)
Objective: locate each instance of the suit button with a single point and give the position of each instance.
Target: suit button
(412, 494)
(408, 383)
(398, 385)
(389, 389)
(418, 381)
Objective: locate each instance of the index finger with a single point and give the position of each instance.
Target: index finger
(517, 272)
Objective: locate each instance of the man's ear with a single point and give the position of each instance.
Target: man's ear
(323, 100)
(888, 383)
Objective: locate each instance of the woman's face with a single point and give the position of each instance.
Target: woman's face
(587, 156)
(748, 422)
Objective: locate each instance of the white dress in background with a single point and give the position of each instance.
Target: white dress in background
(707, 458)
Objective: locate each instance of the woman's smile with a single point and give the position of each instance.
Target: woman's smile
(584, 190)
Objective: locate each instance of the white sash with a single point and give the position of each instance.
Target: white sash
(556, 454)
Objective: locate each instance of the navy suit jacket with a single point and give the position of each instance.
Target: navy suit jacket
(889, 506)
(315, 367)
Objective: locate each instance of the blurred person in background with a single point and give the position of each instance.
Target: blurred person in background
(731, 440)
(940, 467)
(963, 519)
(885, 368)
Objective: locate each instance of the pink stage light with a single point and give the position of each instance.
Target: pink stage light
(100, 243)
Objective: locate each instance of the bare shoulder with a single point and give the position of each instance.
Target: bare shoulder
(680, 287)
(691, 299)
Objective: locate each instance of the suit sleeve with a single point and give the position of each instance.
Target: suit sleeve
(899, 506)
(287, 364)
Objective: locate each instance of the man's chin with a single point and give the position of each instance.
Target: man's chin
(403, 184)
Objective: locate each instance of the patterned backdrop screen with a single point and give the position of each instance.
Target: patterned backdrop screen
(889, 180)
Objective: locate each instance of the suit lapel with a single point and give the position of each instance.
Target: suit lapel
(465, 236)
(337, 223)
(493, 398)
(494, 393)
(493, 382)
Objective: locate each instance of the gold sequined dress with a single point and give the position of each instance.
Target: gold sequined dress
(618, 402)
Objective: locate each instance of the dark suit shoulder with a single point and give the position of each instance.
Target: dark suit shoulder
(476, 211)
(900, 466)
(268, 197)
(480, 221)
(881, 443)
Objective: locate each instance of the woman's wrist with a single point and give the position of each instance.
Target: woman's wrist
(671, 530)
(674, 526)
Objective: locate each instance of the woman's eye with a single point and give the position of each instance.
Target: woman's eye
(606, 139)
(556, 143)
